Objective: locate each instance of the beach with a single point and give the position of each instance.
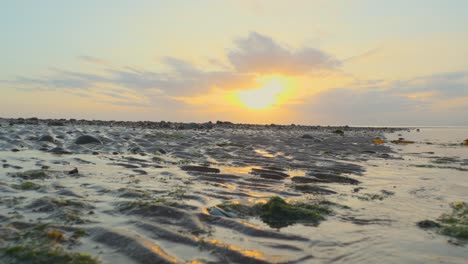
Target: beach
(164, 192)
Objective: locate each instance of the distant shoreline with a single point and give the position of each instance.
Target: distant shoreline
(179, 125)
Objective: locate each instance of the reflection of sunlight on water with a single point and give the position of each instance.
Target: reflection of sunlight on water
(248, 169)
(237, 170)
(159, 251)
(264, 153)
(249, 253)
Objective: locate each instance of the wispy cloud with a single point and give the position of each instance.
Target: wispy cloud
(251, 56)
(419, 100)
(93, 60)
(261, 54)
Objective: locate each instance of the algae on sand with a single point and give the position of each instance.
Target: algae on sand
(26, 254)
(40, 245)
(454, 224)
(277, 213)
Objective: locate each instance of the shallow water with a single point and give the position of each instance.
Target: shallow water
(400, 185)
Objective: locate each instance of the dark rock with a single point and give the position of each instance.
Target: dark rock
(74, 171)
(428, 224)
(200, 169)
(269, 174)
(15, 150)
(302, 179)
(56, 123)
(307, 136)
(328, 177)
(59, 150)
(47, 138)
(162, 151)
(87, 139)
(339, 132)
(208, 125)
(126, 165)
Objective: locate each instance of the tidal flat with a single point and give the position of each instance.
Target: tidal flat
(77, 191)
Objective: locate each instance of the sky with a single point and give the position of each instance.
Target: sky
(313, 62)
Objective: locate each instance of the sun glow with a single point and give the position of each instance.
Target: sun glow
(267, 96)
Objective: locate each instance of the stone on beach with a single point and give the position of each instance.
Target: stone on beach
(200, 169)
(47, 138)
(87, 139)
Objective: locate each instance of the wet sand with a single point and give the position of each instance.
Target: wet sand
(148, 192)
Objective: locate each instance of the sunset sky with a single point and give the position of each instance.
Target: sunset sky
(354, 62)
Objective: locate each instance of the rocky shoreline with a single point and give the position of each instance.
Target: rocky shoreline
(160, 192)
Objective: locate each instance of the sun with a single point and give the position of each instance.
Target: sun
(266, 96)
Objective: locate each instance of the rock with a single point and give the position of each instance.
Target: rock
(74, 171)
(15, 150)
(47, 138)
(141, 172)
(200, 169)
(59, 150)
(208, 125)
(87, 139)
(269, 174)
(162, 151)
(329, 177)
(307, 136)
(428, 224)
(56, 123)
(402, 141)
(302, 179)
(339, 132)
(190, 126)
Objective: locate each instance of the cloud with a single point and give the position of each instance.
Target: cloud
(251, 56)
(261, 54)
(93, 60)
(443, 85)
(426, 100)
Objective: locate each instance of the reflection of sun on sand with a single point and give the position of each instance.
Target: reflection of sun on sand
(265, 97)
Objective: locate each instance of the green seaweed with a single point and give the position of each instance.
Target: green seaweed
(277, 213)
(46, 255)
(454, 224)
(38, 245)
(80, 232)
(27, 186)
(33, 174)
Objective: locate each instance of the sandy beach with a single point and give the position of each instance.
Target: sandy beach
(162, 192)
